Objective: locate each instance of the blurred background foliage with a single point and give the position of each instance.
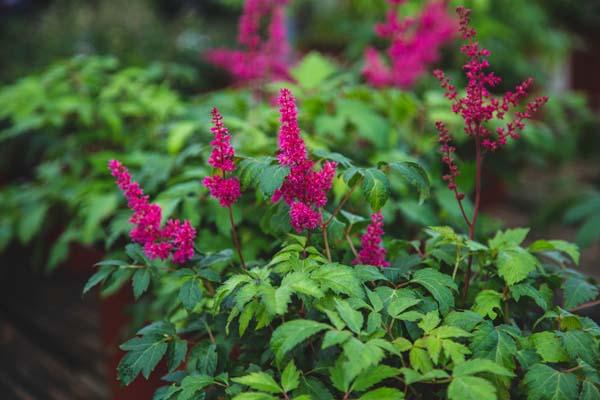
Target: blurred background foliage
(83, 82)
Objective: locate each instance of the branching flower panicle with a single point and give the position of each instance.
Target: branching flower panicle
(261, 57)
(372, 251)
(223, 188)
(415, 44)
(479, 106)
(304, 189)
(176, 239)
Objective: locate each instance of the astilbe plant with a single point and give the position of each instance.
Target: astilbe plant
(262, 56)
(478, 108)
(301, 323)
(414, 45)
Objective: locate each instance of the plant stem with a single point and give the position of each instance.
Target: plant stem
(351, 245)
(478, 166)
(585, 305)
(505, 309)
(339, 207)
(326, 242)
(306, 244)
(236, 240)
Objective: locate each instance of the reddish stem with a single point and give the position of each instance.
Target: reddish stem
(473, 222)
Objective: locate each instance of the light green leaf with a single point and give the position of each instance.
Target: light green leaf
(259, 381)
(515, 264)
(479, 365)
(509, 238)
(486, 302)
(333, 338)
(290, 334)
(400, 304)
(383, 393)
(439, 285)
(339, 278)
(580, 344)
(373, 376)
(191, 385)
(254, 396)
(144, 359)
(271, 178)
(353, 319)
(548, 346)
(375, 187)
(471, 388)
(290, 378)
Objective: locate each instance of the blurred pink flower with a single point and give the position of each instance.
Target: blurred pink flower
(414, 45)
(259, 58)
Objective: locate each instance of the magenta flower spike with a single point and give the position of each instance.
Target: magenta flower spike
(372, 251)
(225, 190)
(304, 190)
(176, 239)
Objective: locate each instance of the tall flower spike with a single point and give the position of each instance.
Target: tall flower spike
(372, 251)
(414, 44)
(176, 239)
(303, 189)
(225, 190)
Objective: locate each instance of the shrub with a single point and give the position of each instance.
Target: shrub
(322, 316)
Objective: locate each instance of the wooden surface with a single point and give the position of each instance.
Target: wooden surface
(50, 346)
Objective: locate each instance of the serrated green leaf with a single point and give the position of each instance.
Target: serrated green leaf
(373, 376)
(479, 365)
(259, 381)
(333, 338)
(429, 321)
(546, 383)
(190, 294)
(271, 178)
(290, 378)
(515, 264)
(548, 346)
(142, 360)
(339, 278)
(191, 385)
(486, 302)
(140, 282)
(466, 320)
(509, 238)
(415, 175)
(176, 353)
(290, 334)
(384, 393)
(524, 289)
(494, 343)
(589, 391)
(471, 388)
(580, 344)
(439, 285)
(254, 396)
(353, 319)
(577, 290)
(375, 187)
(100, 276)
(400, 304)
